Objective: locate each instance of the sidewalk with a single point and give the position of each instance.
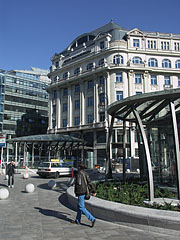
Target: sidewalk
(46, 215)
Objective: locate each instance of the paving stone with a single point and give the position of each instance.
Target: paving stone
(44, 215)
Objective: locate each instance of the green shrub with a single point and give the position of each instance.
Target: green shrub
(132, 194)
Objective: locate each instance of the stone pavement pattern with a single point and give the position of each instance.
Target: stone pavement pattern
(45, 214)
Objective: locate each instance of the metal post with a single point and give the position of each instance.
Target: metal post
(108, 161)
(147, 154)
(32, 154)
(176, 144)
(16, 153)
(7, 153)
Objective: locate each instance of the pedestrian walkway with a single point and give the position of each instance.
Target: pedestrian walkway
(45, 214)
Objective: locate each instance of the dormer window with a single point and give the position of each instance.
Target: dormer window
(101, 62)
(65, 75)
(102, 45)
(136, 43)
(90, 66)
(77, 71)
(57, 64)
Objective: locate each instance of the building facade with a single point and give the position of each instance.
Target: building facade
(104, 66)
(22, 91)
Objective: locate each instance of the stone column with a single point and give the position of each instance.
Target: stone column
(146, 83)
(58, 109)
(130, 83)
(82, 105)
(70, 115)
(50, 112)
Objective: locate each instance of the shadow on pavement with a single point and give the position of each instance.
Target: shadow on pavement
(53, 213)
(61, 187)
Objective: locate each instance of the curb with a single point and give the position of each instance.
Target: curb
(122, 213)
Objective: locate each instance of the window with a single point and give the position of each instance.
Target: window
(64, 122)
(90, 101)
(119, 77)
(152, 62)
(102, 99)
(55, 94)
(77, 88)
(137, 60)
(90, 118)
(153, 80)
(166, 63)
(136, 43)
(166, 80)
(178, 81)
(102, 45)
(90, 84)
(102, 117)
(65, 75)
(138, 78)
(151, 44)
(64, 107)
(164, 45)
(119, 95)
(76, 121)
(177, 64)
(65, 92)
(118, 59)
(101, 80)
(57, 64)
(101, 62)
(77, 71)
(177, 46)
(138, 93)
(90, 66)
(77, 104)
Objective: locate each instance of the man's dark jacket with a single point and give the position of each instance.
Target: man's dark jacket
(80, 185)
(10, 169)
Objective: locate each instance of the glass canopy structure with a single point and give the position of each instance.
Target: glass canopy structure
(48, 144)
(143, 110)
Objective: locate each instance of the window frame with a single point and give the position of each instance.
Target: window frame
(119, 95)
(137, 60)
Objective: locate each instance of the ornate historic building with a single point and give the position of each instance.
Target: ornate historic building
(104, 66)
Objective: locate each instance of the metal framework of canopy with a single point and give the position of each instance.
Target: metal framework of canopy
(144, 109)
(52, 142)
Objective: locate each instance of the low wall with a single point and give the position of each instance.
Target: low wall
(122, 213)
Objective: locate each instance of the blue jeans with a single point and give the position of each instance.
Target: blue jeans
(81, 209)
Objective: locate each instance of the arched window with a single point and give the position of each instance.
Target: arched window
(177, 64)
(166, 63)
(89, 66)
(101, 62)
(77, 71)
(137, 60)
(152, 62)
(118, 59)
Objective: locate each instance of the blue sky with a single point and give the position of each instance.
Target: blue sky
(33, 30)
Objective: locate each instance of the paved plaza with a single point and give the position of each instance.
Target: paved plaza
(46, 214)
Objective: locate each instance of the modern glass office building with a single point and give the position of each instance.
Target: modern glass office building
(22, 91)
(2, 83)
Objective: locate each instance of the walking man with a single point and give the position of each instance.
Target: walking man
(10, 172)
(81, 181)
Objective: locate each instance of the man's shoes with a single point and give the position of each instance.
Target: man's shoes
(9, 186)
(75, 222)
(12, 186)
(93, 223)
